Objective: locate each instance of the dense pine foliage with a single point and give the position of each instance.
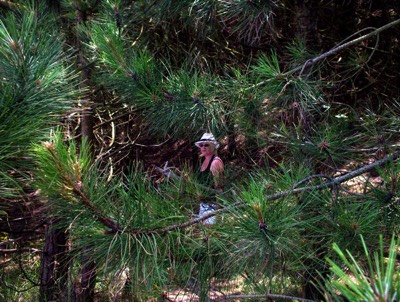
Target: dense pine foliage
(101, 103)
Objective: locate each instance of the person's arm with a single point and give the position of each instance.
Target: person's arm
(217, 170)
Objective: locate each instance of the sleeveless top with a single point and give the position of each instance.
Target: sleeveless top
(206, 178)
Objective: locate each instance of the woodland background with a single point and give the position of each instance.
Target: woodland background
(99, 97)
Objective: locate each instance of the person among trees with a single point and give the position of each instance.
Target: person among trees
(210, 176)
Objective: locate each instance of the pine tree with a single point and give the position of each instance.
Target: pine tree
(37, 87)
(298, 116)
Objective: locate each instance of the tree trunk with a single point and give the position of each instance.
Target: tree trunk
(307, 17)
(54, 266)
(85, 292)
(87, 122)
(88, 279)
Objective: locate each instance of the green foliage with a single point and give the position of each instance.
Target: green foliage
(126, 71)
(120, 222)
(297, 52)
(268, 67)
(330, 143)
(173, 102)
(387, 196)
(131, 223)
(393, 110)
(124, 223)
(354, 218)
(61, 167)
(204, 13)
(268, 241)
(382, 132)
(191, 101)
(184, 67)
(19, 277)
(373, 278)
(249, 21)
(36, 86)
(97, 208)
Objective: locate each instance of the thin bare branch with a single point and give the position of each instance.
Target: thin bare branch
(343, 46)
(264, 297)
(20, 250)
(329, 184)
(334, 51)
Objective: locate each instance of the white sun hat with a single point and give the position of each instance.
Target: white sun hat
(207, 138)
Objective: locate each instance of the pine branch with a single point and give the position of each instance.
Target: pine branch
(334, 182)
(116, 228)
(274, 296)
(343, 46)
(76, 187)
(108, 222)
(333, 51)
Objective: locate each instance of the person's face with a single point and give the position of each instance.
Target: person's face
(206, 148)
